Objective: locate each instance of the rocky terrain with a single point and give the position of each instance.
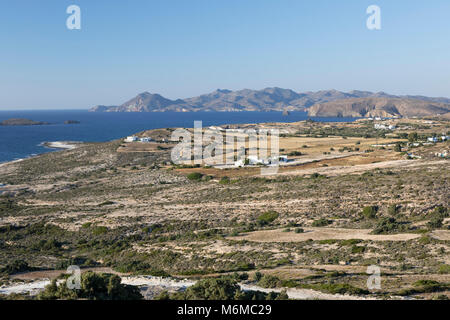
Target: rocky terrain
(327, 103)
(350, 199)
(378, 107)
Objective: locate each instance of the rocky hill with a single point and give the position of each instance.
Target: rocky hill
(318, 103)
(378, 107)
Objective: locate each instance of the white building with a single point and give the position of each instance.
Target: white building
(380, 126)
(131, 139)
(239, 163)
(146, 139)
(254, 160)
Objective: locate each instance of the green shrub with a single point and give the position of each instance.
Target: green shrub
(370, 212)
(269, 281)
(93, 287)
(424, 286)
(99, 230)
(322, 222)
(358, 249)
(435, 223)
(16, 266)
(350, 242)
(195, 176)
(387, 225)
(219, 289)
(267, 217)
(337, 288)
(444, 269)
(393, 209)
(224, 180)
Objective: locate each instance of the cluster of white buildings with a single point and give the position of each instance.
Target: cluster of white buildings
(437, 139)
(443, 154)
(380, 126)
(254, 160)
(137, 139)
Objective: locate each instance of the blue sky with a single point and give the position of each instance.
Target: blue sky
(183, 48)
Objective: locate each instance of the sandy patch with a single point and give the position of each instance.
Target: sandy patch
(341, 170)
(442, 234)
(279, 235)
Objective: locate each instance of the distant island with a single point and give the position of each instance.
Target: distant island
(326, 103)
(21, 122)
(71, 122)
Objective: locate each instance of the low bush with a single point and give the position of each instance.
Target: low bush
(267, 217)
(322, 222)
(224, 180)
(387, 225)
(195, 176)
(219, 289)
(370, 212)
(444, 269)
(93, 287)
(16, 266)
(269, 281)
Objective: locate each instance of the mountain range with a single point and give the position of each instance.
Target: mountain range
(326, 103)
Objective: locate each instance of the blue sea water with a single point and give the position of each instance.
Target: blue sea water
(17, 142)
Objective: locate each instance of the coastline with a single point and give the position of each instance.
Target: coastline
(69, 145)
(55, 145)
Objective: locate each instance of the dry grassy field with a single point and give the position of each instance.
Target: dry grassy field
(348, 199)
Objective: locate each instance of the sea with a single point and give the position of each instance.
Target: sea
(19, 142)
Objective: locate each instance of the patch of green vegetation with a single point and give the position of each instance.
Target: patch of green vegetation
(387, 225)
(8, 206)
(267, 217)
(316, 175)
(336, 288)
(98, 230)
(444, 269)
(16, 266)
(195, 176)
(358, 249)
(93, 287)
(370, 212)
(269, 281)
(350, 242)
(225, 180)
(424, 286)
(322, 222)
(435, 223)
(220, 289)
